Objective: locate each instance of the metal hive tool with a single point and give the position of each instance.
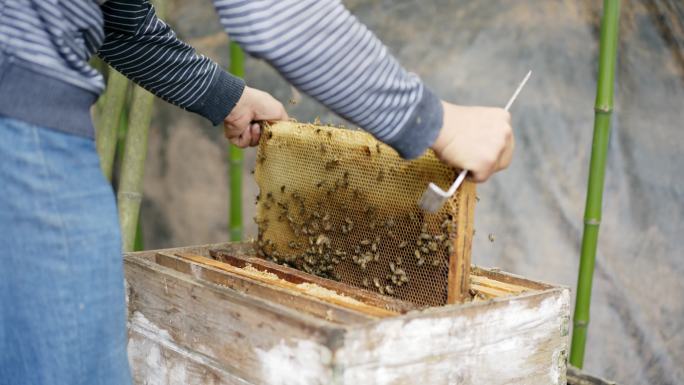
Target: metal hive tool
(339, 204)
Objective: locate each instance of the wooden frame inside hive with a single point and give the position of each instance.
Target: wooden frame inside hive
(339, 204)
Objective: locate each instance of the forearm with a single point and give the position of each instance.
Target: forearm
(327, 53)
(147, 51)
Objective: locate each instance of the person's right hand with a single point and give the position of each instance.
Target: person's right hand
(478, 139)
(241, 127)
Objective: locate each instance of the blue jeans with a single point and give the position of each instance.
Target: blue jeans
(62, 305)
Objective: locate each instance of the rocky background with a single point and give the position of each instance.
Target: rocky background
(475, 53)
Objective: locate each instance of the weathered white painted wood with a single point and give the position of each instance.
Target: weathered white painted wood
(185, 329)
(508, 341)
(246, 335)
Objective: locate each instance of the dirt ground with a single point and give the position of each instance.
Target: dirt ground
(476, 53)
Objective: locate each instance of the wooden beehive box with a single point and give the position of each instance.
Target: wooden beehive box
(202, 315)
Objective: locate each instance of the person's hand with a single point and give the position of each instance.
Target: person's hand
(241, 127)
(478, 139)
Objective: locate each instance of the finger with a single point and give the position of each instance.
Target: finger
(255, 133)
(283, 114)
(506, 156)
(234, 129)
(271, 110)
(482, 173)
(481, 176)
(243, 140)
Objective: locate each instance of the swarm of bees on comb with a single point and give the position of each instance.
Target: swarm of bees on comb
(338, 204)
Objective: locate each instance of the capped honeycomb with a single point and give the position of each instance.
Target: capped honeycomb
(339, 204)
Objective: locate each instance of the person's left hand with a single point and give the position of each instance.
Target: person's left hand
(241, 127)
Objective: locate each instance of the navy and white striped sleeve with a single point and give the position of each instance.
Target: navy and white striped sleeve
(146, 50)
(321, 48)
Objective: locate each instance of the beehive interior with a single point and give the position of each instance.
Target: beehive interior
(339, 204)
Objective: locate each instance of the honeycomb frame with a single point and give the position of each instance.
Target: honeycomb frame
(339, 204)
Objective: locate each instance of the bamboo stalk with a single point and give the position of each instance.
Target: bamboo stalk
(108, 120)
(129, 193)
(235, 157)
(592, 214)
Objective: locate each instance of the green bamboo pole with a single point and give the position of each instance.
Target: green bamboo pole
(129, 194)
(592, 214)
(108, 120)
(237, 68)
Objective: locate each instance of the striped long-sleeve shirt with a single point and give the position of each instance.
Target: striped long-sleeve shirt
(326, 52)
(316, 44)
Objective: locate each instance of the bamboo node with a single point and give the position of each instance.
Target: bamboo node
(603, 109)
(592, 222)
(132, 195)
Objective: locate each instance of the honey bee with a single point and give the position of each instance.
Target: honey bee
(365, 242)
(417, 254)
(445, 224)
(282, 188)
(402, 244)
(389, 290)
(399, 260)
(436, 262)
(421, 262)
(365, 282)
(323, 240)
(376, 282)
